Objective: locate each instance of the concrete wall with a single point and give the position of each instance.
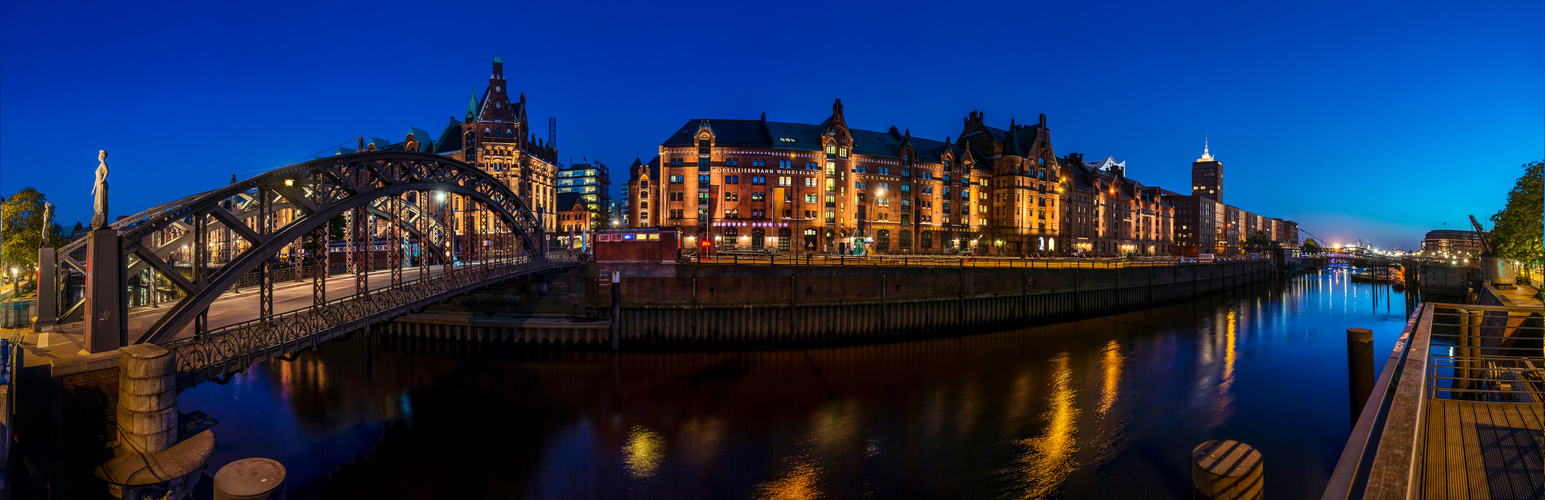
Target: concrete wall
(693, 303)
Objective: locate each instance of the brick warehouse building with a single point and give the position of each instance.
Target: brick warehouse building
(1204, 224)
(794, 187)
(1108, 213)
(496, 136)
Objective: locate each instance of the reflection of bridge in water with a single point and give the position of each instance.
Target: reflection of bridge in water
(255, 244)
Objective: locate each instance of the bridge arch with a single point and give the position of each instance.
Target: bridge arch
(319, 191)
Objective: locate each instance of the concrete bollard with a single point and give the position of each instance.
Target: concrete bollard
(1360, 377)
(250, 479)
(1227, 470)
(147, 399)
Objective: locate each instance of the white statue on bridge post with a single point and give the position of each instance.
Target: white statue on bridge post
(48, 211)
(99, 190)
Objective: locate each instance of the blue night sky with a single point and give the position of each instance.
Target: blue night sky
(1373, 121)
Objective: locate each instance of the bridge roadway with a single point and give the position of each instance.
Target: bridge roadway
(237, 307)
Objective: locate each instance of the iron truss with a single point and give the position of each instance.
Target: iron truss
(394, 188)
(221, 352)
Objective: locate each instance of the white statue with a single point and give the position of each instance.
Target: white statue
(48, 210)
(99, 220)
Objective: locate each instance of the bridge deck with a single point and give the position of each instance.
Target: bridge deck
(236, 307)
(1484, 450)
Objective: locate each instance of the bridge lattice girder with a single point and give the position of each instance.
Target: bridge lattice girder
(319, 191)
(248, 205)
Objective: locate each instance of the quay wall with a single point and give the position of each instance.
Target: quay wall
(684, 303)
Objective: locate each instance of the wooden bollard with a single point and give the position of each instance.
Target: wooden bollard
(1227, 470)
(1360, 376)
(250, 479)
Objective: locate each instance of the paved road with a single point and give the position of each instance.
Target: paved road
(234, 307)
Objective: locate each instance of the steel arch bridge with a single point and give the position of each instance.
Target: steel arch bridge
(395, 196)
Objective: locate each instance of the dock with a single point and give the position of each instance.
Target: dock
(1456, 412)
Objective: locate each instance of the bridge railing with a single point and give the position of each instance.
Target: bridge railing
(233, 348)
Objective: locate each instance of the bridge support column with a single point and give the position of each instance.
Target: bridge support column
(105, 307)
(151, 460)
(147, 399)
(48, 279)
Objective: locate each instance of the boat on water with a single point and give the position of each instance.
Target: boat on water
(1379, 275)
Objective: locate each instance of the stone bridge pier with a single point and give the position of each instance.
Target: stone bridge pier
(156, 455)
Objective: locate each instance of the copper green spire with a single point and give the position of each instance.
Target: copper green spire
(472, 106)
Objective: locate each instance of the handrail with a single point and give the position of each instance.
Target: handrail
(1391, 428)
(236, 346)
(1349, 468)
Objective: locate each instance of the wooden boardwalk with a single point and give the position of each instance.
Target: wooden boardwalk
(1484, 450)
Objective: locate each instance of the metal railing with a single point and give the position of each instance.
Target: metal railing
(763, 257)
(222, 351)
(1483, 354)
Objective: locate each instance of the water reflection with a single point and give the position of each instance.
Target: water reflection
(798, 481)
(643, 453)
(1110, 363)
(1104, 407)
(1049, 458)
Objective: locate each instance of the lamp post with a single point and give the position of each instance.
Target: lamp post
(14, 292)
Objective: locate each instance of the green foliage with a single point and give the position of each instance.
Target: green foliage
(1258, 241)
(335, 232)
(1516, 230)
(21, 225)
(1311, 246)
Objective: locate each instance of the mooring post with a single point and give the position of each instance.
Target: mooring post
(616, 310)
(1227, 469)
(250, 478)
(1360, 376)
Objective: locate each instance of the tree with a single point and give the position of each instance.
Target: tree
(1258, 241)
(21, 228)
(1516, 230)
(1311, 246)
(335, 232)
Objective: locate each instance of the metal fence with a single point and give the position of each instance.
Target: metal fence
(738, 258)
(16, 313)
(1488, 355)
(1448, 353)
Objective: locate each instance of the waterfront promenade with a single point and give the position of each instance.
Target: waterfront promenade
(1457, 411)
(737, 258)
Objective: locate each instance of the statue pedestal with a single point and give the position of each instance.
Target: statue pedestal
(105, 308)
(48, 292)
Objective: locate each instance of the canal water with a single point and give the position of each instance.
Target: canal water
(1108, 407)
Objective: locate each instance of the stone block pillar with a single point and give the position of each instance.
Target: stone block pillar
(48, 291)
(105, 307)
(147, 399)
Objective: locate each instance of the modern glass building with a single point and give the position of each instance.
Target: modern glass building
(593, 183)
